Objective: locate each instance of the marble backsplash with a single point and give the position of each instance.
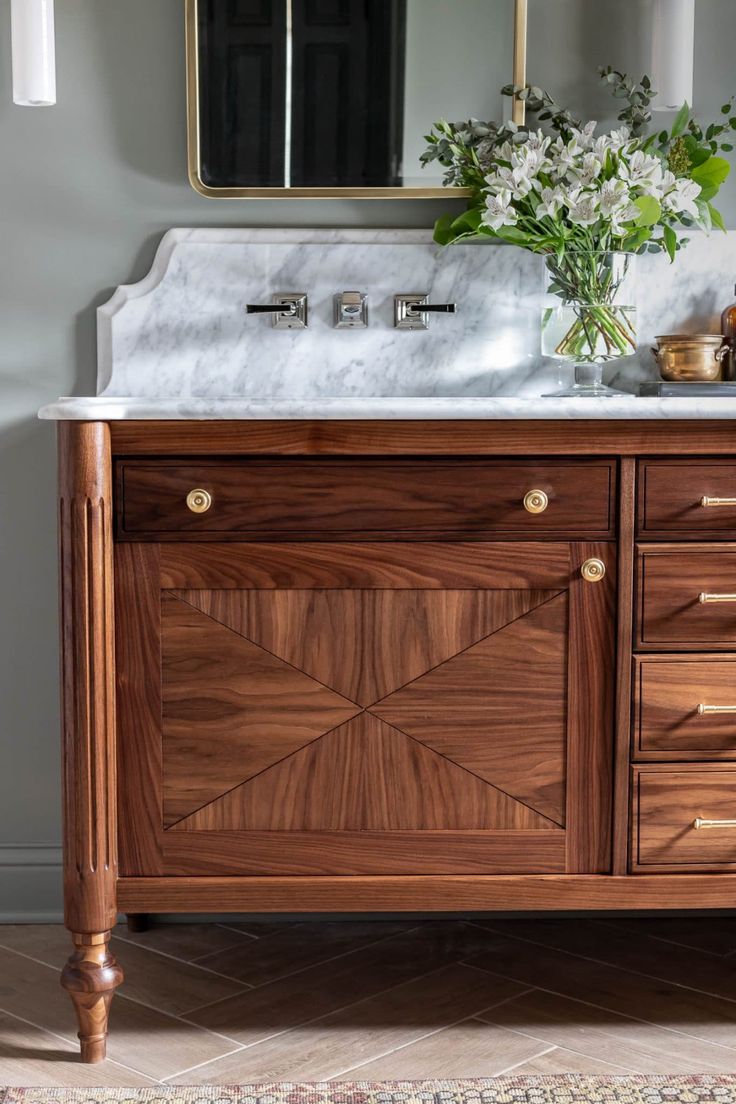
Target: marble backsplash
(182, 332)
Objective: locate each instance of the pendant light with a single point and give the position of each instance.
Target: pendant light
(34, 52)
(673, 53)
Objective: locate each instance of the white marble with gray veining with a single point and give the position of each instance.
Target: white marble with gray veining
(179, 343)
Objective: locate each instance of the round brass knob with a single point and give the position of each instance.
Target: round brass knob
(593, 570)
(536, 502)
(199, 501)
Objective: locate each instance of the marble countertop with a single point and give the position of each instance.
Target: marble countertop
(109, 408)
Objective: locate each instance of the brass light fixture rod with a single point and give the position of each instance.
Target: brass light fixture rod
(521, 25)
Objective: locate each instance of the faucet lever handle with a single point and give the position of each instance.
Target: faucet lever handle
(411, 311)
(289, 310)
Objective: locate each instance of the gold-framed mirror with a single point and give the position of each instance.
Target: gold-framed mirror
(332, 98)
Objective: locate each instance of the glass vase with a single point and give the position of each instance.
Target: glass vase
(589, 316)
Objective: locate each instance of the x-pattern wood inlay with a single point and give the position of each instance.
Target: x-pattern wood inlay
(363, 709)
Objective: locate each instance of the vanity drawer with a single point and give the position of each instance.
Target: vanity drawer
(349, 498)
(681, 499)
(685, 708)
(687, 597)
(667, 803)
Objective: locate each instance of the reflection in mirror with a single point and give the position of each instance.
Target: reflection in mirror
(340, 93)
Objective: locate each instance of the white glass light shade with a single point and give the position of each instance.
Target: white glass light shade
(673, 53)
(34, 53)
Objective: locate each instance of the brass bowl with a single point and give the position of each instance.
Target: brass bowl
(691, 357)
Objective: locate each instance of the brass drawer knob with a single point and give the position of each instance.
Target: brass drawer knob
(704, 710)
(705, 599)
(535, 502)
(199, 501)
(706, 501)
(593, 570)
(702, 822)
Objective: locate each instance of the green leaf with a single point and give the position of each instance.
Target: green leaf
(650, 211)
(716, 217)
(711, 173)
(704, 218)
(468, 220)
(513, 234)
(681, 119)
(726, 109)
(670, 242)
(443, 233)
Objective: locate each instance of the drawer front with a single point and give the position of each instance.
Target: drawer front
(668, 802)
(306, 498)
(687, 597)
(685, 708)
(694, 499)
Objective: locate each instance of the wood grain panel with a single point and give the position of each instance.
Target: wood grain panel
(138, 685)
(671, 578)
(670, 498)
(364, 643)
(364, 776)
(394, 566)
(590, 722)
(313, 498)
(667, 801)
(499, 709)
(444, 893)
(322, 854)
(667, 693)
(431, 437)
(625, 599)
(230, 709)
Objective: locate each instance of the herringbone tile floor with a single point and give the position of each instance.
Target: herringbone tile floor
(234, 1002)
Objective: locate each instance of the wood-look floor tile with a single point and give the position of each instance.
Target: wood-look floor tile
(698, 1014)
(716, 934)
(32, 1058)
(186, 941)
(324, 1048)
(609, 1037)
(257, 929)
(316, 992)
(152, 978)
(257, 961)
(144, 1039)
(467, 1049)
(559, 1060)
(668, 962)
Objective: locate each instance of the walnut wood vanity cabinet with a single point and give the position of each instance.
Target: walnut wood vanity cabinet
(386, 666)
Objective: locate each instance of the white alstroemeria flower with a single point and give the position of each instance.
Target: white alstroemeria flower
(643, 171)
(614, 195)
(538, 140)
(669, 180)
(516, 181)
(588, 170)
(681, 199)
(625, 215)
(553, 200)
(530, 160)
(586, 136)
(499, 211)
(582, 208)
(565, 153)
(619, 138)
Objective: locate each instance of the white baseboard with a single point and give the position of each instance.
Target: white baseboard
(30, 884)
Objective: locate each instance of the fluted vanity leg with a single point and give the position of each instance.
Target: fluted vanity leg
(88, 725)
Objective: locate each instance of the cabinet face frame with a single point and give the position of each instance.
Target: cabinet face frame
(144, 570)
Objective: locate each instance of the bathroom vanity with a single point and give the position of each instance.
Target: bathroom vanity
(415, 651)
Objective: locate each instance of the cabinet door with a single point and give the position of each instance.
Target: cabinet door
(363, 708)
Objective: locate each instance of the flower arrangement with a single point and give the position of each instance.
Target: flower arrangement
(575, 195)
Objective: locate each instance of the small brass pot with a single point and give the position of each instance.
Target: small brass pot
(693, 357)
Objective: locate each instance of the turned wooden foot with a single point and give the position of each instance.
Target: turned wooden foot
(91, 976)
(137, 921)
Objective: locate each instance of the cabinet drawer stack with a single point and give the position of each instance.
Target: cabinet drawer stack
(684, 679)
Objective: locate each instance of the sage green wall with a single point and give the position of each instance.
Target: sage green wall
(86, 190)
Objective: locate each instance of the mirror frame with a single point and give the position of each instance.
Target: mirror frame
(521, 17)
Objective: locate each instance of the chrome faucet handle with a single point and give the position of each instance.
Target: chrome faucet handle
(288, 309)
(351, 310)
(411, 311)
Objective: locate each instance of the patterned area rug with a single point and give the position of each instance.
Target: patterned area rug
(559, 1089)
